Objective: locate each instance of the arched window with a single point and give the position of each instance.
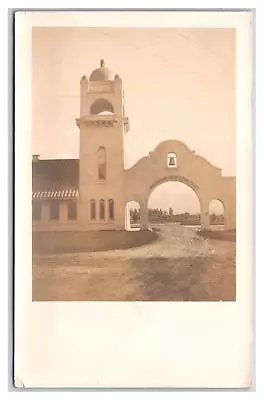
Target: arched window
(172, 160)
(111, 209)
(101, 163)
(102, 209)
(217, 213)
(92, 209)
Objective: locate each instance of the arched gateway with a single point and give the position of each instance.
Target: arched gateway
(195, 171)
(91, 192)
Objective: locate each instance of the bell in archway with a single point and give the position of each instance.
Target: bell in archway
(172, 161)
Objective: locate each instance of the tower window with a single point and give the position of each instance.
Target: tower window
(54, 210)
(92, 209)
(102, 209)
(101, 163)
(72, 210)
(36, 211)
(172, 160)
(111, 209)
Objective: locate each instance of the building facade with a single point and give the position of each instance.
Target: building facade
(92, 192)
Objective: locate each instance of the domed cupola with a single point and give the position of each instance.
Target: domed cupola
(102, 73)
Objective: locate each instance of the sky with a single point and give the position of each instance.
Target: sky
(179, 84)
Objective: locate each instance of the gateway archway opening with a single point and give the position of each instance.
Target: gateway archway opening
(217, 215)
(132, 216)
(175, 203)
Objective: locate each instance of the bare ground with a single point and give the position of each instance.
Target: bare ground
(180, 266)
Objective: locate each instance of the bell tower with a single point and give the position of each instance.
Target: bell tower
(102, 125)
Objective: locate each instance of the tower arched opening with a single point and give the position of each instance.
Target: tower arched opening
(101, 106)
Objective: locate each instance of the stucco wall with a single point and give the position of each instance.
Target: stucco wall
(90, 187)
(137, 183)
(205, 179)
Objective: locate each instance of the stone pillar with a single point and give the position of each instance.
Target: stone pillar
(83, 211)
(205, 218)
(144, 215)
(127, 217)
(230, 218)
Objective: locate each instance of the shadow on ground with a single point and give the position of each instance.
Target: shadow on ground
(137, 279)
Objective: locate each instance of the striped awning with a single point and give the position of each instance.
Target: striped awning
(55, 194)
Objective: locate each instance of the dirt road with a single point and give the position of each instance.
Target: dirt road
(180, 266)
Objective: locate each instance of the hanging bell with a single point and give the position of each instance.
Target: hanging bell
(172, 161)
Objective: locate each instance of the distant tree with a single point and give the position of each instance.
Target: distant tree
(135, 215)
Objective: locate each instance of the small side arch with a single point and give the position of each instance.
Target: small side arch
(217, 213)
(132, 215)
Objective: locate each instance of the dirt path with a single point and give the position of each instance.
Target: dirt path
(179, 266)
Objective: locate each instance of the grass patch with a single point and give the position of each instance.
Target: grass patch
(56, 242)
(225, 235)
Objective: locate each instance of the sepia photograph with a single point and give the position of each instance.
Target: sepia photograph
(133, 164)
(133, 200)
